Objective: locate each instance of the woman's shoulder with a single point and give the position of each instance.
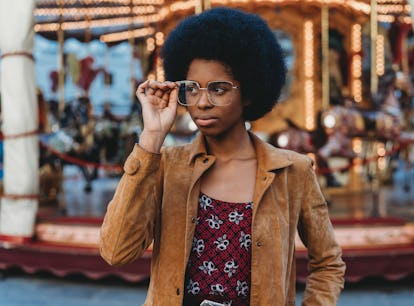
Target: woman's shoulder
(299, 160)
(179, 151)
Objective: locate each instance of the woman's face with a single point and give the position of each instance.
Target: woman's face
(213, 120)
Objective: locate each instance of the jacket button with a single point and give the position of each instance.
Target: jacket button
(193, 219)
(178, 291)
(259, 244)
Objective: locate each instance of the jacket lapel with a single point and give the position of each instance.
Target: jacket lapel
(269, 159)
(202, 162)
(270, 190)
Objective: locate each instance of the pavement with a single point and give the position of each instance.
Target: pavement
(20, 289)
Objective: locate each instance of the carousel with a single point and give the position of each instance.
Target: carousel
(348, 104)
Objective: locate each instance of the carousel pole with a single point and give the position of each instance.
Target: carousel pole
(201, 6)
(325, 54)
(61, 64)
(131, 41)
(198, 9)
(411, 2)
(374, 89)
(373, 36)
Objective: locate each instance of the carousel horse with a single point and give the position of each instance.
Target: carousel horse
(76, 138)
(342, 121)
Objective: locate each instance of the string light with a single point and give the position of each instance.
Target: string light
(182, 5)
(119, 36)
(308, 40)
(150, 44)
(159, 38)
(309, 73)
(90, 11)
(357, 145)
(159, 70)
(94, 2)
(356, 65)
(398, 6)
(380, 64)
(143, 7)
(108, 22)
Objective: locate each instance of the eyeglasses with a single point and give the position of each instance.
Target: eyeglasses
(219, 93)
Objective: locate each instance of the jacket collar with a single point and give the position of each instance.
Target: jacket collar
(269, 157)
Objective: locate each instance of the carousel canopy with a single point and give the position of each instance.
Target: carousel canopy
(112, 21)
(107, 20)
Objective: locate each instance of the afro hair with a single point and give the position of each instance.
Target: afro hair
(241, 41)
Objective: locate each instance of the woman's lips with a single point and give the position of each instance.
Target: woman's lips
(204, 122)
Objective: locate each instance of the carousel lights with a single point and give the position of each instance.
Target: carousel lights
(153, 2)
(405, 19)
(360, 6)
(380, 63)
(151, 76)
(356, 65)
(127, 35)
(382, 163)
(381, 150)
(386, 18)
(398, 6)
(159, 38)
(308, 37)
(91, 2)
(357, 145)
(394, 9)
(392, 1)
(357, 90)
(159, 70)
(150, 44)
(76, 12)
(329, 121)
(182, 5)
(309, 67)
(309, 104)
(48, 27)
(282, 140)
(356, 38)
(140, 10)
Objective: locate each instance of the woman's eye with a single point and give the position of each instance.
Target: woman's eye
(192, 89)
(217, 90)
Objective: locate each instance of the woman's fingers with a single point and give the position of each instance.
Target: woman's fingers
(160, 90)
(142, 88)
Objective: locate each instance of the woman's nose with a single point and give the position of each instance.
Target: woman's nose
(204, 99)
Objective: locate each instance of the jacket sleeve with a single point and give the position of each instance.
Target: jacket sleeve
(130, 221)
(326, 268)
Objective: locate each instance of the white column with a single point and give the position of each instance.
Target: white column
(411, 2)
(19, 204)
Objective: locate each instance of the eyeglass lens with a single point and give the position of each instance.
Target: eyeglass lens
(218, 92)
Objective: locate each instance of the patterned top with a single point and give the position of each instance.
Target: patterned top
(219, 264)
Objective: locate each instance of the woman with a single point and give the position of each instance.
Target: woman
(223, 211)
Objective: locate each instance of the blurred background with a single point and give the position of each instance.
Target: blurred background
(69, 118)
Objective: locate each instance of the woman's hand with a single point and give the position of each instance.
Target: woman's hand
(159, 110)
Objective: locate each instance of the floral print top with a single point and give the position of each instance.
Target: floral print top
(219, 264)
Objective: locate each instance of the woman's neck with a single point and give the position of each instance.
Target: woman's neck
(237, 146)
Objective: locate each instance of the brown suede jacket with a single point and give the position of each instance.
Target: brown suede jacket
(156, 201)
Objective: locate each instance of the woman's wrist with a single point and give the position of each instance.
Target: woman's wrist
(151, 142)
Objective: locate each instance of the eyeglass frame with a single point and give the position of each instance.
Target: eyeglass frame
(206, 89)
